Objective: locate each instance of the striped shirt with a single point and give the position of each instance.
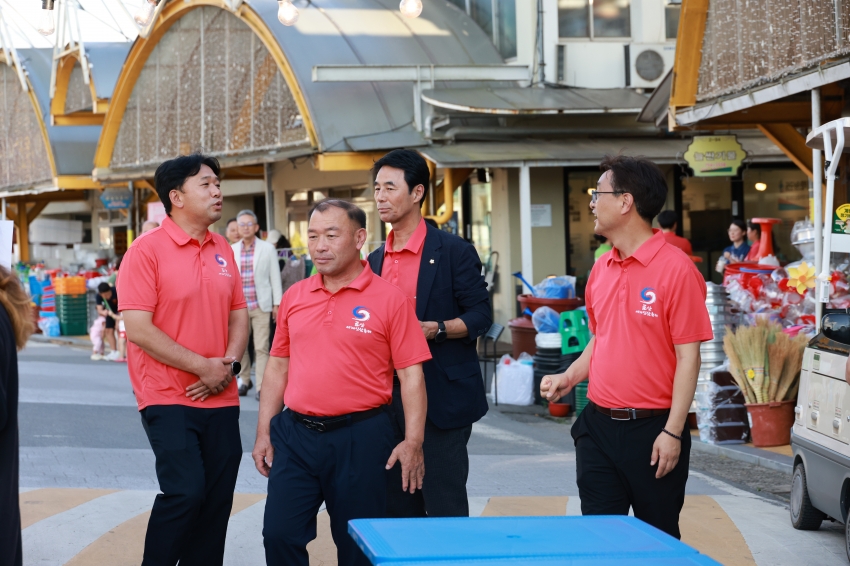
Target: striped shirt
(247, 269)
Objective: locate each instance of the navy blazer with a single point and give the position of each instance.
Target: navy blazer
(451, 286)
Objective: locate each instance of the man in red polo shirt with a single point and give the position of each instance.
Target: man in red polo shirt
(340, 334)
(187, 324)
(646, 306)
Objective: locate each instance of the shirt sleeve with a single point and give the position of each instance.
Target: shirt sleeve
(238, 297)
(407, 342)
(136, 284)
(280, 344)
(686, 312)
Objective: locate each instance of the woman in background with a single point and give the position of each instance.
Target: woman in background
(754, 236)
(15, 328)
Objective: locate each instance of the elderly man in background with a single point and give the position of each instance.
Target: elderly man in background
(149, 225)
(257, 264)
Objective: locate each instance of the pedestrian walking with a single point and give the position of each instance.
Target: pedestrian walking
(646, 307)
(106, 303)
(185, 315)
(15, 329)
(340, 335)
(261, 285)
(441, 276)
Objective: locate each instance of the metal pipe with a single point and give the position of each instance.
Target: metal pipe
(452, 133)
(525, 222)
(817, 189)
(452, 179)
(832, 158)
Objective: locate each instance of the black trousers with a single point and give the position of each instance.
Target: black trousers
(613, 471)
(197, 459)
(443, 492)
(345, 468)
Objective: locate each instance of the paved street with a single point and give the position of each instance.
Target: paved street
(88, 481)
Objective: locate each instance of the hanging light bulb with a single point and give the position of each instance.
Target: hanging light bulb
(46, 25)
(761, 186)
(145, 11)
(410, 8)
(287, 13)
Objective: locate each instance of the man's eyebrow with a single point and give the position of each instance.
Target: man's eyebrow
(210, 177)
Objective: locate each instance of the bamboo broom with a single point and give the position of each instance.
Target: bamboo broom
(735, 367)
(751, 351)
(777, 353)
(789, 382)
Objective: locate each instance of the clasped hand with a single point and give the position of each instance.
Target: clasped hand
(213, 379)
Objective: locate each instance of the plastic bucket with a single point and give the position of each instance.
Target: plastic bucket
(770, 423)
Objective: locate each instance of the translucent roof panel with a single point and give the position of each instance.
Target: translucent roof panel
(78, 98)
(24, 161)
(211, 85)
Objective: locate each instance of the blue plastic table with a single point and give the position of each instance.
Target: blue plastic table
(504, 541)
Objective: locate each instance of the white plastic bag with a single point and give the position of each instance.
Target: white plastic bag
(514, 382)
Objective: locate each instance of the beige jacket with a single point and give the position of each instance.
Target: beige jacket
(266, 273)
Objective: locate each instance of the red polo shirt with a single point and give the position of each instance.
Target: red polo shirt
(680, 242)
(343, 347)
(638, 308)
(190, 289)
(401, 268)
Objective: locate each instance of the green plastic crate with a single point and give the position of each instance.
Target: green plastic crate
(73, 328)
(581, 397)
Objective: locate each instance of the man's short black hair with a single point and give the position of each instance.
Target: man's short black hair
(354, 212)
(229, 221)
(667, 219)
(171, 174)
(103, 287)
(642, 179)
(415, 168)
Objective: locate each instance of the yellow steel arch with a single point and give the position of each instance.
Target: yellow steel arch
(57, 105)
(143, 47)
(39, 116)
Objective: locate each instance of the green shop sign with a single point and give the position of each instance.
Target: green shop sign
(715, 156)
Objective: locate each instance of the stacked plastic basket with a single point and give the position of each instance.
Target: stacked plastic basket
(71, 305)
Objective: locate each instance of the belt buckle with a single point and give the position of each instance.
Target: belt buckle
(629, 414)
(318, 426)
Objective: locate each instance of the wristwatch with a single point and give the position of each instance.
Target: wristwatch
(441, 333)
(235, 368)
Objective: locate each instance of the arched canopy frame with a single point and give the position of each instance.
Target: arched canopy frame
(143, 48)
(58, 116)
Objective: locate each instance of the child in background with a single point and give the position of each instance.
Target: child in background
(96, 336)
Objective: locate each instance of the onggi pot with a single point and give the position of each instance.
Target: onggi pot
(770, 423)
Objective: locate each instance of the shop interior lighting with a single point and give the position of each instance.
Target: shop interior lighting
(761, 186)
(287, 13)
(410, 8)
(145, 11)
(46, 24)
(590, 191)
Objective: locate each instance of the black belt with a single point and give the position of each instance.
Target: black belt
(628, 414)
(327, 424)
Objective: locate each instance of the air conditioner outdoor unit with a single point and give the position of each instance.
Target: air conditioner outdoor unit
(649, 62)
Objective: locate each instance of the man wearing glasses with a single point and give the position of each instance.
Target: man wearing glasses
(646, 307)
(261, 284)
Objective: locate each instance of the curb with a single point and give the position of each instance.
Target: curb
(67, 340)
(772, 463)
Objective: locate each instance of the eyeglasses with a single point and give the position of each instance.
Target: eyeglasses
(594, 195)
(244, 224)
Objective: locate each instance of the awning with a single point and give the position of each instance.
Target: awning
(536, 100)
(655, 110)
(580, 152)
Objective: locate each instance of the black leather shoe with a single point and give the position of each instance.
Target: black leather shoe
(243, 390)
(250, 386)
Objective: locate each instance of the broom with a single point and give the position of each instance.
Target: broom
(789, 382)
(751, 351)
(735, 367)
(777, 353)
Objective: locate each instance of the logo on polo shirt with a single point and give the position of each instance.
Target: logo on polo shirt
(220, 260)
(648, 298)
(361, 315)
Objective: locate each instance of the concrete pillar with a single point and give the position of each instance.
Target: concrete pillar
(270, 211)
(525, 223)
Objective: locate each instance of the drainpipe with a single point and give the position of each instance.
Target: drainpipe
(451, 180)
(525, 223)
(817, 189)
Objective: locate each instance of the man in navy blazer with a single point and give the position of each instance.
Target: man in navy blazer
(441, 274)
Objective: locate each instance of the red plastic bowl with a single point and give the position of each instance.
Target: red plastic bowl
(559, 409)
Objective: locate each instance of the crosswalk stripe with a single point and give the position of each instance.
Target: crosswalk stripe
(39, 504)
(531, 506)
(57, 539)
(706, 527)
(244, 543)
(477, 505)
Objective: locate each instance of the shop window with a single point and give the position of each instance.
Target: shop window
(671, 17)
(785, 196)
(497, 18)
(594, 18)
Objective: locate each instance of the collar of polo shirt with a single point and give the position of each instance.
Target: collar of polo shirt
(645, 252)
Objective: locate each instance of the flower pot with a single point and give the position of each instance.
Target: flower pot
(559, 409)
(770, 423)
(533, 303)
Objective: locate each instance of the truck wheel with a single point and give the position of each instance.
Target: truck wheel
(804, 516)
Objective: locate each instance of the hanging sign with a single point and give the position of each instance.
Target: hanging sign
(114, 199)
(715, 156)
(841, 220)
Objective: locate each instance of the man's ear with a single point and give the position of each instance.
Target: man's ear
(628, 203)
(176, 198)
(418, 193)
(360, 238)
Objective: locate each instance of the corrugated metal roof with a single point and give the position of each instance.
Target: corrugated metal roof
(351, 32)
(73, 146)
(579, 152)
(518, 100)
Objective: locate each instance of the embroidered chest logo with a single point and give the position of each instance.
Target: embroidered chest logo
(361, 315)
(647, 298)
(219, 259)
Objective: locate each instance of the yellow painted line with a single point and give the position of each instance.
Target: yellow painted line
(40, 504)
(783, 450)
(706, 527)
(323, 550)
(538, 506)
(125, 544)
